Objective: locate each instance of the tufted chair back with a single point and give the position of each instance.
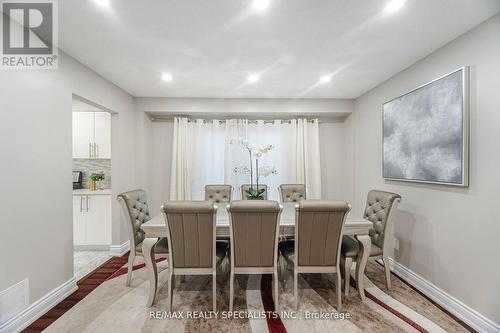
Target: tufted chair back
(136, 210)
(218, 193)
(292, 192)
(378, 208)
(245, 187)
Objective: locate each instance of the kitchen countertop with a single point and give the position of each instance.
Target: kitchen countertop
(86, 191)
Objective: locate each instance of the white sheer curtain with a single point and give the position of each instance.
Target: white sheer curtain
(234, 155)
(179, 177)
(308, 169)
(208, 157)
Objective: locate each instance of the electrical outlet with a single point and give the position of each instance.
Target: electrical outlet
(396, 244)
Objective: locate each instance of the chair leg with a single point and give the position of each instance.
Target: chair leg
(276, 296)
(282, 267)
(231, 291)
(387, 270)
(296, 289)
(224, 264)
(339, 289)
(214, 291)
(170, 296)
(347, 274)
(130, 267)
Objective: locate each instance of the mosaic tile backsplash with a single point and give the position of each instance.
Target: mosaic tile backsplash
(93, 165)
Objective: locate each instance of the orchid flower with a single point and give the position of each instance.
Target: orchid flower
(254, 152)
(267, 170)
(242, 170)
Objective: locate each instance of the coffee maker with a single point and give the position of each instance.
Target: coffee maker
(77, 180)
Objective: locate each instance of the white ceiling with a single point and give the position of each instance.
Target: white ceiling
(210, 46)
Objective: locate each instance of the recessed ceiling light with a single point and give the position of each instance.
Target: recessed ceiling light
(253, 78)
(103, 3)
(261, 5)
(393, 6)
(167, 77)
(325, 79)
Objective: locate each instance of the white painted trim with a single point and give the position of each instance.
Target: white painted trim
(90, 247)
(450, 303)
(39, 308)
(119, 250)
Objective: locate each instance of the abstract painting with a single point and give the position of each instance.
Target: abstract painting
(425, 132)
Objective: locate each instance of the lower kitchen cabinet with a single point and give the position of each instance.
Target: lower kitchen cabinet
(91, 220)
(79, 216)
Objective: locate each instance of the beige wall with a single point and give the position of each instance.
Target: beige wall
(161, 161)
(335, 139)
(35, 170)
(447, 234)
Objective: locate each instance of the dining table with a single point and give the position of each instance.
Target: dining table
(156, 228)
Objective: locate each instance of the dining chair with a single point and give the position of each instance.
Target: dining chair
(292, 192)
(191, 239)
(380, 206)
(218, 193)
(318, 233)
(136, 211)
(254, 228)
(245, 187)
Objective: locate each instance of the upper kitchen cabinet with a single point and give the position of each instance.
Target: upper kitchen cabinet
(102, 136)
(91, 135)
(83, 134)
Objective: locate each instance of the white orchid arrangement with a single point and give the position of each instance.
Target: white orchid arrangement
(264, 171)
(267, 170)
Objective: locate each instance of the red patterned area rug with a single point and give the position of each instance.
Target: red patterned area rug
(104, 304)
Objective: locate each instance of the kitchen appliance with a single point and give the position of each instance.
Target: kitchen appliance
(77, 180)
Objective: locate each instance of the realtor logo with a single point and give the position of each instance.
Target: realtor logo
(29, 35)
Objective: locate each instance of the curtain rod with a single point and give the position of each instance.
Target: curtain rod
(223, 121)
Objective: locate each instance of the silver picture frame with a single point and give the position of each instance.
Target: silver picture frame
(465, 132)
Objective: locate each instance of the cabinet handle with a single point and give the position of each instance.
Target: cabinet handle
(81, 203)
(97, 147)
(88, 201)
(90, 150)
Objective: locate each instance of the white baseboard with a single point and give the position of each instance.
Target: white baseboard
(39, 308)
(90, 247)
(119, 250)
(471, 317)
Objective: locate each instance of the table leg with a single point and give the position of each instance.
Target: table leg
(365, 244)
(148, 251)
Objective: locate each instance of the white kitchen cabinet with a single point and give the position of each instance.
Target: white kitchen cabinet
(92, 220)
(91, 135)
(83, 134)
(79, 216)
(102, 136)
(98, 228)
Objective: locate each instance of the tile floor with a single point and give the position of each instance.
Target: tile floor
(86, 261)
